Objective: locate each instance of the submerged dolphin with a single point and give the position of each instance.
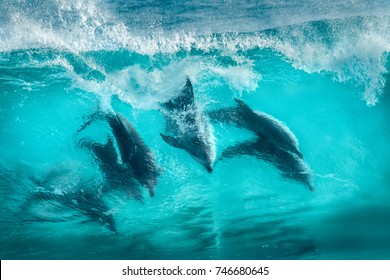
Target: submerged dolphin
(263, 125)
(116, 175)
(190, 128)
(291, 165)
(83, 199)
(133, 151)
(88, 203)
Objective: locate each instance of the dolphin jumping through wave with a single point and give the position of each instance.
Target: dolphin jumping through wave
(188, 127)
(263, 125)
(133, 150)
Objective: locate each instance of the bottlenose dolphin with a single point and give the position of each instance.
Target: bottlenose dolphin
(82, 196)
(189, 127)
(263, 125)
(133, 151)
(291, 165)
(117, 176)
(90, 204)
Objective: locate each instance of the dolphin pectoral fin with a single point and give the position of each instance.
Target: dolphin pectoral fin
(171, 140)
(245, 148)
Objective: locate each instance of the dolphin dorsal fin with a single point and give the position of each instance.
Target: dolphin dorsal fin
(188, 91)
(186, 97)
(241, 104)
(183, 100)
(173, 141)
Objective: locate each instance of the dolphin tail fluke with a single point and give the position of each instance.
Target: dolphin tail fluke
(171, 140)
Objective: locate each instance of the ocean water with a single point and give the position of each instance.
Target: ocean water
(320, 67)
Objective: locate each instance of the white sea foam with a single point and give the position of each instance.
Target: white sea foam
(353, 51)
(349, 49)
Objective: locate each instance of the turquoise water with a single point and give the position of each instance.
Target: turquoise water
(321, 69)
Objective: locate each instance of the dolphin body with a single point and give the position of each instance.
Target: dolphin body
(116, 175)
(189, 127)
(263, 125)
(292, 166)
(90, 204)
(82, 198)
(274, 142)
(134, 153)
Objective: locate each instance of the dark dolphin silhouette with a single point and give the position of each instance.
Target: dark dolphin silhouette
(82, 198)
(291, 165)
(89, 203)
(274, 142)
(263, 125)
(188, 127)
(133, 151)
(117, 176)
